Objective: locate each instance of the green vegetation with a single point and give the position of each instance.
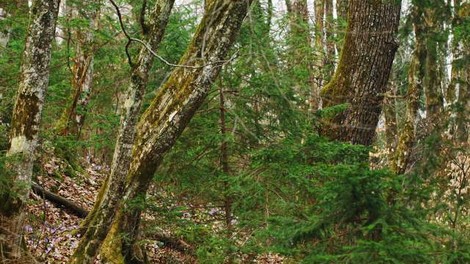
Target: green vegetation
(252, 174)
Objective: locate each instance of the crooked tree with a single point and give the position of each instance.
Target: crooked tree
(26, 118)
(360, 80)
(174, 105)
(98, 220)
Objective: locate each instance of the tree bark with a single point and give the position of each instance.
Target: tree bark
(171, 110)
(416, 75)
(25, 125)
(97, 223)
(362, 74)
(460, 79)
(59, 201)
(73, 116)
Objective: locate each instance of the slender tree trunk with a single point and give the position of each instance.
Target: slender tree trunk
(342, 8)
(301, 55)
(173, 107)
(25, 125)
(73, 116)
(98, 221)
(225, 169)
(460, 79)
(433, 76)
(416, 74)
(362, 74)
(391, 128)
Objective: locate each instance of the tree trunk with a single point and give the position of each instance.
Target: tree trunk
(97, 223)
(461, 76)
(225, 169)
(416, 74)
(73, 116)
(25, 125)
(362, 74)
(434, 102)
(391, 128)
(301, 53)
(171, 110)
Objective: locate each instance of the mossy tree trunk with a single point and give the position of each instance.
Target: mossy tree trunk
(97, 223)
(391, 122)
(173, 107)
(416, 74)
(360, 80)
(433, 24)
(73, 116)
(461, 75)
(26, 118)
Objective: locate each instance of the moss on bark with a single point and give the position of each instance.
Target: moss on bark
(362, 74)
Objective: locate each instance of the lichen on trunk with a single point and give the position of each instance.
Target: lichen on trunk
(25, 126)
(165, 119)
(97, 224)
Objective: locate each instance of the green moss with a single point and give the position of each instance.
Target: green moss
(111, 250)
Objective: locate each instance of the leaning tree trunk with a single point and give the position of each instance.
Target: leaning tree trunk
(25, 125)
(171, 110)
(97, 223)
(362, 74)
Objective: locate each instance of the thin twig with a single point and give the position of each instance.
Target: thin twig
(131, 39)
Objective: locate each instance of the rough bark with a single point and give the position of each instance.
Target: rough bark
(97, 223)
(171, 110)
(25, 124)
(360, 80)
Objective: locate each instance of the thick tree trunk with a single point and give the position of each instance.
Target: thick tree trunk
(97, 223)
(362, 74)
(25, 125)
(162, 123)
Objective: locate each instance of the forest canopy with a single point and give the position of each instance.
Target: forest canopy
(234, 131)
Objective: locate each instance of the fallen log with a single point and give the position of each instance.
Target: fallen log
(59, 201)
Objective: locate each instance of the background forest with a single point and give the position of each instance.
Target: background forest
(236, 131)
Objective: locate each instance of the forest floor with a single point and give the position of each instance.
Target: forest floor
(51, 230)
